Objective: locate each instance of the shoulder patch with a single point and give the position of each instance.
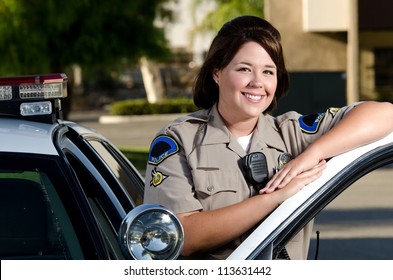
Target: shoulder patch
(162, 147)
(310, 123)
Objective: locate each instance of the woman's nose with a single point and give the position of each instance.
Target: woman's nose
(256, 82)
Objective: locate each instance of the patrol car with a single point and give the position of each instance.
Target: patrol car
(65, 191)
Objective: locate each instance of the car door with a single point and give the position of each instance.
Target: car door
(358, 224)
(267, 241)
(41, 217)
(108, 182)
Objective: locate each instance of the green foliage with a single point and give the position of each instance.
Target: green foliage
(38, 36)
(143, 107)
(227, 10)
(137, 156)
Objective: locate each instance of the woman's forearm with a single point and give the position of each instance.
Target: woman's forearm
(206, 230)
(365, 123)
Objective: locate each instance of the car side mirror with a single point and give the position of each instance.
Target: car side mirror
(151, 232)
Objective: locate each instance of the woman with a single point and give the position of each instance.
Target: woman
(195, 165)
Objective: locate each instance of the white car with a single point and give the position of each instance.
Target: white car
(65, 191)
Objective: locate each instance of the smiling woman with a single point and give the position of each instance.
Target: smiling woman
(203, 179)
(247, 87)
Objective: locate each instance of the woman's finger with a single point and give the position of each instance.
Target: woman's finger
(281, 180)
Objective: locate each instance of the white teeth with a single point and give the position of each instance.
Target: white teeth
(253, 97)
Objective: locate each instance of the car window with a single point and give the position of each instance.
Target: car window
(108, 201)
(34, 221)
(123, 179)
(119, 169)
(358, 224)
(101, 204)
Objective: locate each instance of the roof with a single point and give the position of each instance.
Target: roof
(23, 136)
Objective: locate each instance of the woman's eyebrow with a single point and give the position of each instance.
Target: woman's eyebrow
(251, 64)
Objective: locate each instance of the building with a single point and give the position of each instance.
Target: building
(337, 51)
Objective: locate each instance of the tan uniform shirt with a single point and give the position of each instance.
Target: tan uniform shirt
(194, 163)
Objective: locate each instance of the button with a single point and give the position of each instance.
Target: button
(210, 188)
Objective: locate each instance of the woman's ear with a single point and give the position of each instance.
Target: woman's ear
(215, 74)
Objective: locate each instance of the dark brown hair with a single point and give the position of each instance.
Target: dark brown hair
(224, 47)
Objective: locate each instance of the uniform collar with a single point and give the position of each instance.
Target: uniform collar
(216, 131)
(265, 135)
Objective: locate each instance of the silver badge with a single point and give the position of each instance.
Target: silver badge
(282, 160)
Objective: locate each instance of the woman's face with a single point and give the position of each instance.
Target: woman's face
(247, 84)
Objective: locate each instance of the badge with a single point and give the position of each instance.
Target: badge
(282, 160)
(310, 123)
(162, 147)
(333, 111)
(157, 178)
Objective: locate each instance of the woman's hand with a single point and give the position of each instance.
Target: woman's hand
(298, 172)
(205, 230)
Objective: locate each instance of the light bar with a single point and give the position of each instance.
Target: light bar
(46, 91)
(36, 108)
(5, 92)
(34, 97)
(38, 87)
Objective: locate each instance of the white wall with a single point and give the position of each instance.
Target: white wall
(325, 15)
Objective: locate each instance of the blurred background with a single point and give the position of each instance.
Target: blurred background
(337, 51)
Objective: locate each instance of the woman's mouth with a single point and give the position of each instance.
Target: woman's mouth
(252, 97)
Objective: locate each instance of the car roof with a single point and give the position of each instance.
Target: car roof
(22, 136)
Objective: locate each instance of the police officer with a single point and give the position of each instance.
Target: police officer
(199, 165)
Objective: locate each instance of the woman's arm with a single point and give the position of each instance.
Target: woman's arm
(206, 230)
(365, 123)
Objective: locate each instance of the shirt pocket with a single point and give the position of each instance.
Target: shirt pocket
(216, 188)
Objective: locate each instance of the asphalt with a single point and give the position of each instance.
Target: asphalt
(356, 225)
(128, 131)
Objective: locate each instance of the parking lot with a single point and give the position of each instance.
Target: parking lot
(358, 224)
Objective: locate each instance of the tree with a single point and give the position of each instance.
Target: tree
(49, 35)
(40, 36)
(227, 10)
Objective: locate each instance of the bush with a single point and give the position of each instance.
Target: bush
(143, 107)
(137, 156)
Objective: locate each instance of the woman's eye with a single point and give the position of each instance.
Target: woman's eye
(244, 69)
